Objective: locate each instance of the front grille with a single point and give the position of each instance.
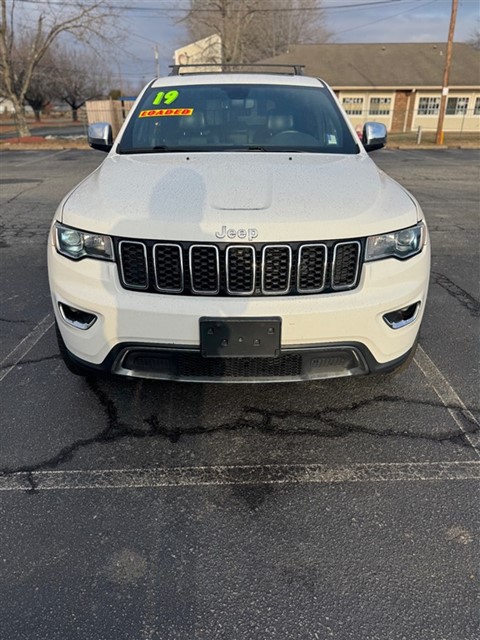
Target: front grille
(277, 266)
(345, 265)
(168, 267)
(133, 261)
(312, 262)
(204, 269)
(239, 270)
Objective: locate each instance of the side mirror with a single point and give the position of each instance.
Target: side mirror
(374, 136)
(100, 136)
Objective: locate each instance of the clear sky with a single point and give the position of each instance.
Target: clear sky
(150, 22)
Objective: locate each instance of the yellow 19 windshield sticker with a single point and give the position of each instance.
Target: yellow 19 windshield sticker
(166, 98)
(157, 113)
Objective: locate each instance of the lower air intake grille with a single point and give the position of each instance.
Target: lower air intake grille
(192, 365)
(196, 366)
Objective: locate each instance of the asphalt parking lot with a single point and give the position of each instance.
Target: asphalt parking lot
(141, 510)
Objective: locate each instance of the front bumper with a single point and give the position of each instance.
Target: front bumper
(188, 365)
(350, 320)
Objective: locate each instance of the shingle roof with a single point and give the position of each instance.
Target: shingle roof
(395, 65)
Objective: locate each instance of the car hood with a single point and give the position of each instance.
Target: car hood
(282, 197)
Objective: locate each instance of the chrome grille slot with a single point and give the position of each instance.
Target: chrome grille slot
(204, 269)
(276, 269)
(312, 268)
(345, 268)
(133, 262)
(168, 267)
(240, 269)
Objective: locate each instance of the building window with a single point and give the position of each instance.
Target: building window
(428, 106)
(457, 106)
(476, 110)
(380, 106)
(353, 106)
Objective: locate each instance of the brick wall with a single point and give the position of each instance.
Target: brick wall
(404, 100)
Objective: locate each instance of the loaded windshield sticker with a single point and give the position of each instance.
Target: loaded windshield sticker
(156, 113)
(166, 98)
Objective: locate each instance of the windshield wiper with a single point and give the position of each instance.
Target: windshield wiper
(272, 149)
(214, 149)
(254, 148)
(156, 149)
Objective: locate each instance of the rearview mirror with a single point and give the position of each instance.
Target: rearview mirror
(374, 136)
(100, 136)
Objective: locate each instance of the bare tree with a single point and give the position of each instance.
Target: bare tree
(80, 75)
(254, 29)
(475, 39)
(43, 24)
(42, 88)
(286, 23)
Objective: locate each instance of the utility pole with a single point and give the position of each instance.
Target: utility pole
(446, 73)
(157, 64)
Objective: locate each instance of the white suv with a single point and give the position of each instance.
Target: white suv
(238, 231)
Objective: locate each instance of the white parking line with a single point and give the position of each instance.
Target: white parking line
(36, 159)
(449, 398)
(238, 475)
(21, 350)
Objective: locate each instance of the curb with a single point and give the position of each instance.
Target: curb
(429, 147)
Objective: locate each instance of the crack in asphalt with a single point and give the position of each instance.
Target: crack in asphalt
(20, 364)
(14, 321)
(31, 481)
(336, 429)
(260, 420)
(463, 297)
(39, 182)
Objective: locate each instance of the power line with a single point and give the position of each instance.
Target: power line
(400, 13)
(177, 9)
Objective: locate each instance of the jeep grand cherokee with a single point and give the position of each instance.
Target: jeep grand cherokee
(238, 231)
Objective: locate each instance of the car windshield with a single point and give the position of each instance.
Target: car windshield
(237, 117)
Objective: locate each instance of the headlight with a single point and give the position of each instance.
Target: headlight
(398, 244)
(81, 244)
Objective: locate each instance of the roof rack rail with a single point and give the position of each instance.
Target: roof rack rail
(228, 67)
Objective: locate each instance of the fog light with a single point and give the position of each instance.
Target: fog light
(76, 318)
(401, 317)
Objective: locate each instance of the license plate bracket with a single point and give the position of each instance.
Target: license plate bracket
(240, 337)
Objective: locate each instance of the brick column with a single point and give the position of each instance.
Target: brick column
(400, 111)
